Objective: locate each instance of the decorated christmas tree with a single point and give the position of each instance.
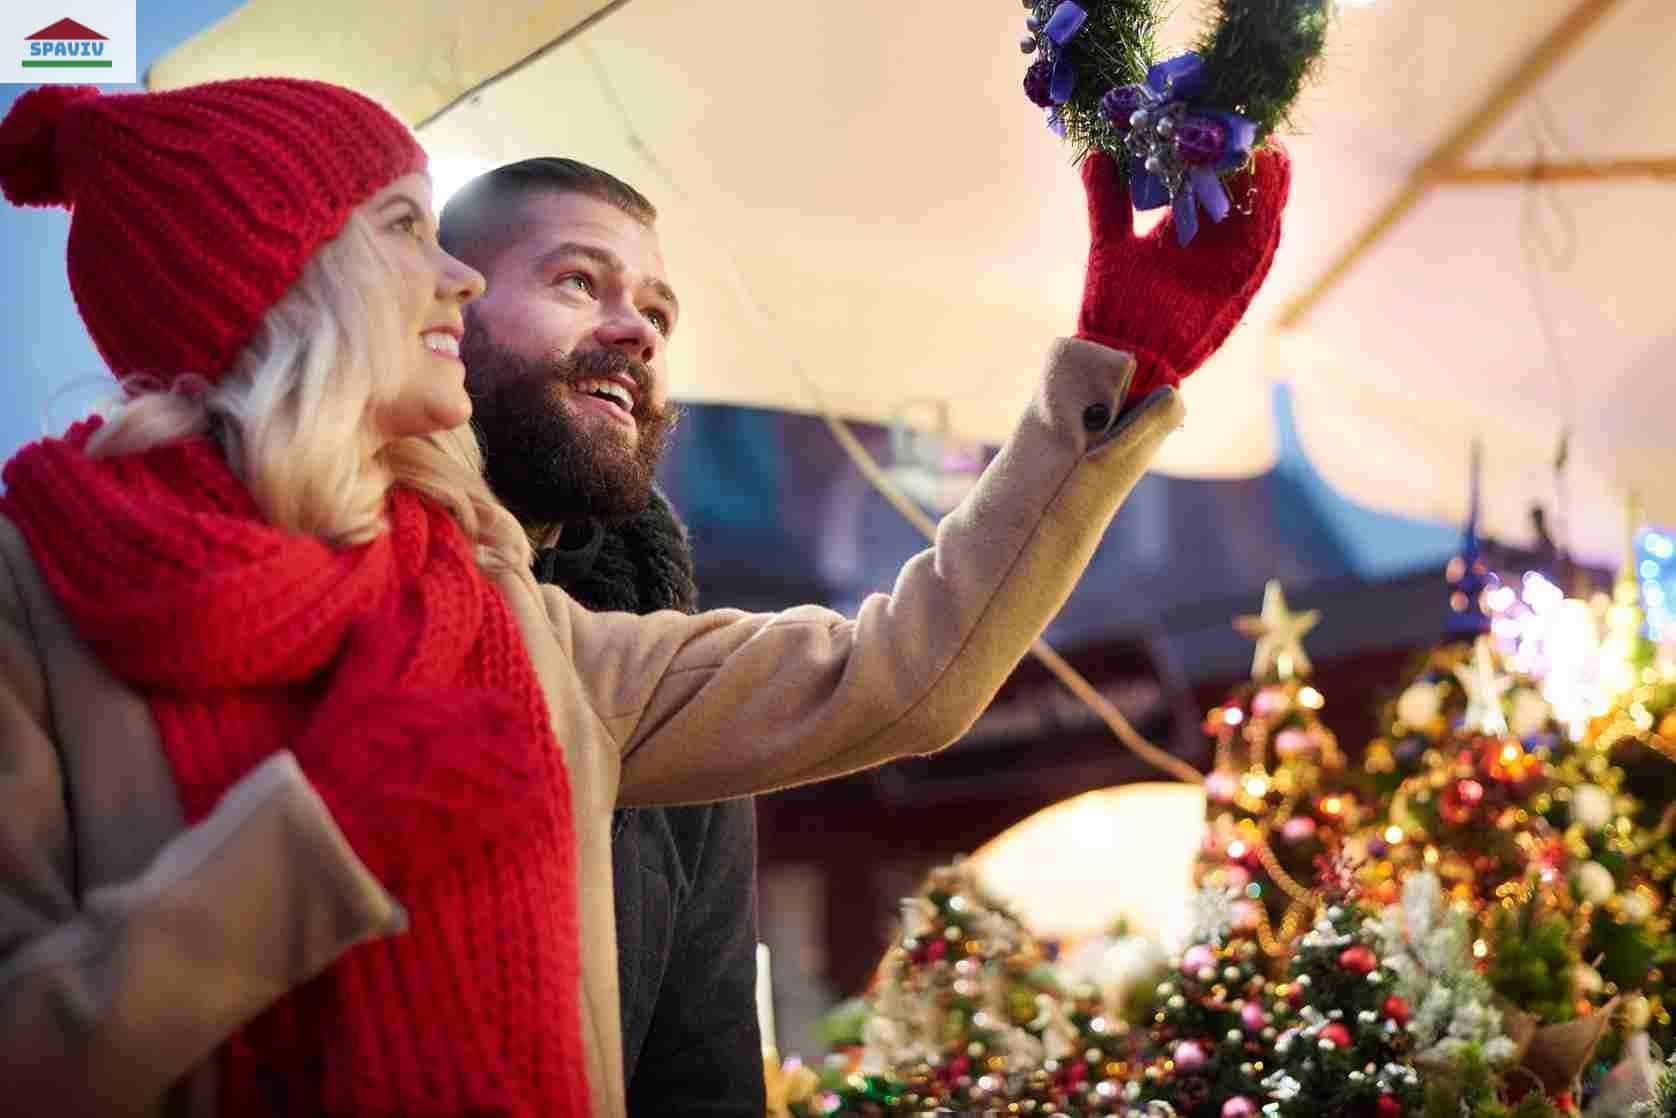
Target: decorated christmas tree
(1435, 700)
(966, 1015)
(1619, 807)
(1621, 885)
(1534, 963)
(1278, 795)
(1444, 1003)
(1469, 813)
(1211, 1031)
(1343, 1047)
(1432, 706)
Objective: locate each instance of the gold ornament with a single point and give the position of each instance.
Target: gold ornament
(1279, 635)
(1484, 688)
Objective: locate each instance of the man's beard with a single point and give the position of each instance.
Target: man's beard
(541, 462)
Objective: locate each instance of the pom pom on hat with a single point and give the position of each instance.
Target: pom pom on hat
(192, 211)
(29, 144)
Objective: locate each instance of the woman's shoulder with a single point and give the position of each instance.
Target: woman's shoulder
(21, 671)
(17, 565)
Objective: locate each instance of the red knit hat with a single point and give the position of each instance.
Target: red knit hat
(193, 211)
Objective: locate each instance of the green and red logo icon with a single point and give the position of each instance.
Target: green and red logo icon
(67, 45)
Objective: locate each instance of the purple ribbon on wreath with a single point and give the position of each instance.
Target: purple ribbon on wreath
(1062, 27)
(1176, 153)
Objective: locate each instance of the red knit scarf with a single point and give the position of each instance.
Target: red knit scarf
(237, 632)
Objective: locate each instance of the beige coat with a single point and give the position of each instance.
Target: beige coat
(132, 945)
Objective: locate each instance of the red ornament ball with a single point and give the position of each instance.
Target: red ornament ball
(1396, 1009)
(1388, 1107)
(1337, 1033)
(1460, 801)
(1358, 958)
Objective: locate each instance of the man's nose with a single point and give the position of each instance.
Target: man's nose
(627, 330)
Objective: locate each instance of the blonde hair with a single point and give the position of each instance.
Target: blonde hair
(292, 414)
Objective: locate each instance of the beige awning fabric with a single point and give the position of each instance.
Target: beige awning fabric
(861, 211)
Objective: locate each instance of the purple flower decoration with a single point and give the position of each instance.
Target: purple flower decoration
(1120, 103)
(1037, 80)
(1176, 154)
(1201, 141)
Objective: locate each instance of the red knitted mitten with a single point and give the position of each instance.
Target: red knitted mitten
(1173, 305)
(410, 774)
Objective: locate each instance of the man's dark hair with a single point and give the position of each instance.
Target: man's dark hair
(479, 210)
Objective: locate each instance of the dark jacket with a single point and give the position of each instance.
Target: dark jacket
(684, 877)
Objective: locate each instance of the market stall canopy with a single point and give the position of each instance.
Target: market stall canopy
(862, 212)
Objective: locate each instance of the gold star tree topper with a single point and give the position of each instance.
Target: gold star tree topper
(1279, 634)
(1484, 687)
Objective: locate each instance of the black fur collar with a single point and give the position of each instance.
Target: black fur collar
(641, 565)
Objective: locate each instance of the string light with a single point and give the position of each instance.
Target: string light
(1657, 568)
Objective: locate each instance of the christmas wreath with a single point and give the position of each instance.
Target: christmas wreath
(1176, 127)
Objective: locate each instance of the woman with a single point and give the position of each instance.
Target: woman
(271, 656)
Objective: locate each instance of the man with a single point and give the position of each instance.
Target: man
(565, 363)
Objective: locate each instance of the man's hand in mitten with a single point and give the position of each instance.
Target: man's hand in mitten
(1173, 305)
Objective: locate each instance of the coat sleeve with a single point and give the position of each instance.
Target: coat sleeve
(726, 703)
(109, 995)
(702, 1055)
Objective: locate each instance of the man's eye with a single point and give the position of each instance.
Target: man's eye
(577, 282)
(659, 321)
(407, 223)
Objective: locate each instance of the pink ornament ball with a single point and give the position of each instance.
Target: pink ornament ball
(1293, 742)
(1239, 1107)
(1197, 958)
(1221, 786)
(1299, 828)
(1245, 916)
(1189, 1056)
(1268, 702)
(1238, 877)
(1252, 1017)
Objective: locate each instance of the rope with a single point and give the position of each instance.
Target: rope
(1278, 873)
